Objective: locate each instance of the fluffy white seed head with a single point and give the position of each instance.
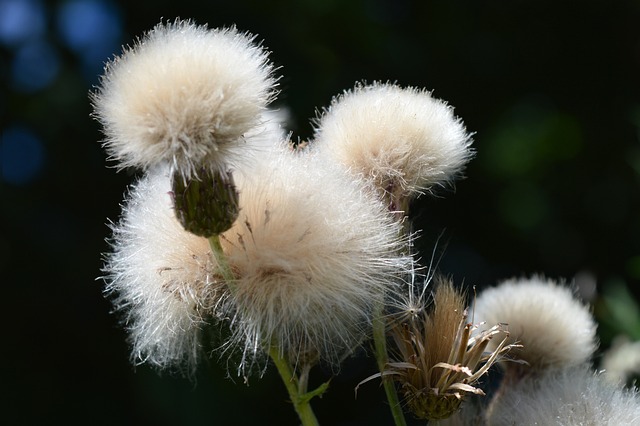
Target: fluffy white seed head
(159, 276)
(572, 396)
(313, 252)
(554, 327)
(621, 362)
(183, 94)
(402, 139)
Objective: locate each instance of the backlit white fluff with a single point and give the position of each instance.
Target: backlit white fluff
(554, 327)
(402, 139)
(621, 362)
(159, 276)
(183, 94)
(573, 396)
(263, 140)
(313, 252)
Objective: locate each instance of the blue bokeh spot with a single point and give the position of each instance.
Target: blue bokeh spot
(92, 29)
(20, 21)
(21, 155)
(35, 65)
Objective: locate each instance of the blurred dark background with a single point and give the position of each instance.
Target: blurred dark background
(551, 90)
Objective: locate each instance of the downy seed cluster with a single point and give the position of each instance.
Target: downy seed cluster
(300, 254)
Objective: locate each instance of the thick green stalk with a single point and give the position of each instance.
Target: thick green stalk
(380, 342)
(298, 396)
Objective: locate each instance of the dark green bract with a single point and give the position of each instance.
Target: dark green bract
(206, 205)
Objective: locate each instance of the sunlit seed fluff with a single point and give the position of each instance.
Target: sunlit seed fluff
(183, 94)
(572, 396)
(263, 140)
(553, 326)
(159, 276)
(313, 252)
(402, 138)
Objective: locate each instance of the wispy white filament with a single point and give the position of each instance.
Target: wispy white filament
(399, 137)
(573, 396)
(553, 326)
(313, 252)
(159, 276)
(183, 94)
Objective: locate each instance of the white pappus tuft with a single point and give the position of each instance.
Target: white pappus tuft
(183, 94)
(402, 138)
(161, 278)
(546, 318)
(572, 396)
(313, 251)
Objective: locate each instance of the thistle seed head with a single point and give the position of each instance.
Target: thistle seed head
(436, 360)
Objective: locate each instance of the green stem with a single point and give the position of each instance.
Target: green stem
(380, 342)
(298, 396)
(401, 205)
(297, 388)
(221, 260)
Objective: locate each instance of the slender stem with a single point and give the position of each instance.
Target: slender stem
(221, 260)
(380, 342)
(300, 403)
(400, 204)
(303, 379)
(297, 389)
